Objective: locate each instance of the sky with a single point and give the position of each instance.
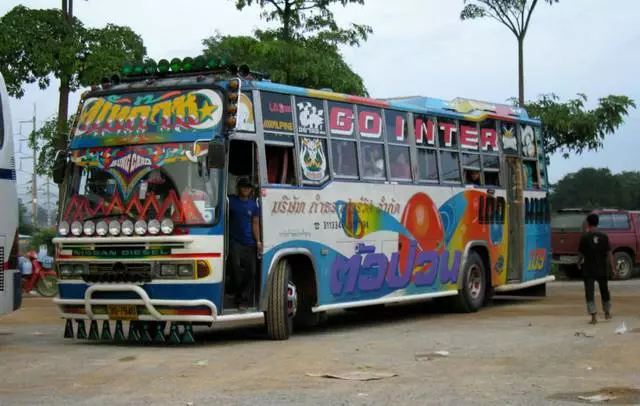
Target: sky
(419, 47)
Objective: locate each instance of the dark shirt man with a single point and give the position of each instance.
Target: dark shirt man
(595, 257)
(245, 244)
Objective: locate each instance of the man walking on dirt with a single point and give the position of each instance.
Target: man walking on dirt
(595, 254)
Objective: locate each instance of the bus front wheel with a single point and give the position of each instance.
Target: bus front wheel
(282, 303)
(473, 285)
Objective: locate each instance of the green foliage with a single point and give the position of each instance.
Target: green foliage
(514, 14)
(305, 19)
(24, 226)
(310, 63)
(43, 237)
(47, 136)
(571, 128)
(38, 44)
(593, 188)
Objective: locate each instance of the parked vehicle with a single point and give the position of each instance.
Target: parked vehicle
(622, 227)
(42, 277)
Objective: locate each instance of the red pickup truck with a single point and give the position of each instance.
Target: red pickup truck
(622, 227)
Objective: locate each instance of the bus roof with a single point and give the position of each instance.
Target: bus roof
(459, 108)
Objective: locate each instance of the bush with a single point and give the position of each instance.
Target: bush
(43, 237)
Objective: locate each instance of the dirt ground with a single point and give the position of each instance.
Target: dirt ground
(517, 352)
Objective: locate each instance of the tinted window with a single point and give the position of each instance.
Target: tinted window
(399, 162)
(428, 164)
(614, 221)
(450, 167)
(568, 221)
(341, 120)
(345, 159)
(373, 160)
(471, 160)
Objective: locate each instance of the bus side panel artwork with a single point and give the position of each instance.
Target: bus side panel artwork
(349, 239)
(537, 240)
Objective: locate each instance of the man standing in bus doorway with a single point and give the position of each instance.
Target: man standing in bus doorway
(594, 255)
(245, 243)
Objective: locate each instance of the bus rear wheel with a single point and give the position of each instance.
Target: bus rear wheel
(473, 285)
(282, 303)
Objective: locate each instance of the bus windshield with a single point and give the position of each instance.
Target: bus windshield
(142, 183)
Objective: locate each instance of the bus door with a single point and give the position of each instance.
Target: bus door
(242, 162)
(515, 210)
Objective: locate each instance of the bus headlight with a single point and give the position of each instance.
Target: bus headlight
(185, 270)
(66, 270)
(101, 228)
(114, 227)
(154, 226)
(168, 270)
(63, 228)
(78, 270)
(166, 226)
(89, 227)
(127, 227)
(141, 227)
(76, 228)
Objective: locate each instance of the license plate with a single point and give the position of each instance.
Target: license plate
(122, 312)
(568, 259)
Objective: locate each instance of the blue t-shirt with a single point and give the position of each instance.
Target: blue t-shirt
(241, 214)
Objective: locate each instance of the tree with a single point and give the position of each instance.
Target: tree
(304, 19)
(38, 44)
(570, 127)
(47, 137)
(515, 15)
(308, 63)
(24, 225)
(593, 188)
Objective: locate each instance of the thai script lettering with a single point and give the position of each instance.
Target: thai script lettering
(368, 270)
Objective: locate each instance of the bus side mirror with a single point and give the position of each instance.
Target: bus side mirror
(216, 154)
(59, 167)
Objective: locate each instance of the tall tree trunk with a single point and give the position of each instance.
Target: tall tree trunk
(63, 107)
(521, 71)
(61, 127)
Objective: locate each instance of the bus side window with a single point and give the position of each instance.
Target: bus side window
(345, 158)
(280, 167)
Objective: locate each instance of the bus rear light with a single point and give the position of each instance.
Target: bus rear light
(231, 122)
(203, 269)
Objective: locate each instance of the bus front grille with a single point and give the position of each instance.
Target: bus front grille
(119, 273)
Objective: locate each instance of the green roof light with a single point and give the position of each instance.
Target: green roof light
(138, 69)
(163, 66)
(187, 64)
(150, 67)
(126, 69)
(175, 65)
(199, 63)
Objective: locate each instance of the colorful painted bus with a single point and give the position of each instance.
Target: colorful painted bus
(363, 202)
(10, 277)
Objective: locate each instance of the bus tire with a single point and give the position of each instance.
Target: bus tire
(278, 317)
(473, 286)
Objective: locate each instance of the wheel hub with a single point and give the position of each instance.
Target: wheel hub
(292, 299)
(475, 282)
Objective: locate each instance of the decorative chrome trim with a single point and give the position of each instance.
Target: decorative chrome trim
(517, 286)
(385, 300)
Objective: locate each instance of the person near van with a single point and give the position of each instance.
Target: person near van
(244, 241)
(594, 256)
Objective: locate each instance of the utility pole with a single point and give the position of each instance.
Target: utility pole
(34, 176)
